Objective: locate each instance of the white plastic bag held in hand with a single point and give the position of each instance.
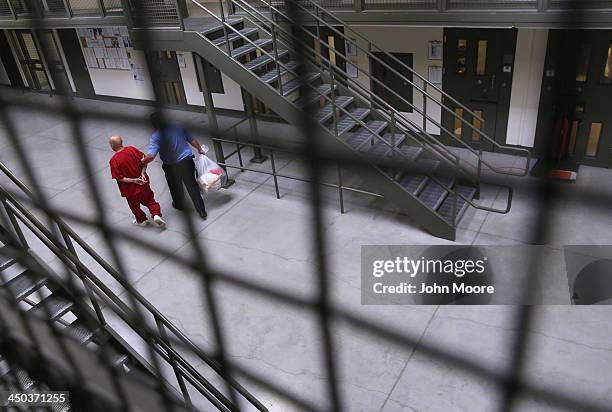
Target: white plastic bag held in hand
(211, 177)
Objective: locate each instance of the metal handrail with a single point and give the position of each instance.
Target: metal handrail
(358, 121)
(194, 377)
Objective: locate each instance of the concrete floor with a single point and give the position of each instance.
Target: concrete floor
(255, 236)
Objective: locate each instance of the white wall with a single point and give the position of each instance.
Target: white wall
(231, 99)
(526, 86)
(413, 40)
(4, 79)
(121, 83)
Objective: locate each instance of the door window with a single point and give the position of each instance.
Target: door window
(31, 61)
(606, 75)
(481, 61)
(571, 149)
(477, 125)
(458, 129)
(583, 63)
(593, 141)
(461, 56)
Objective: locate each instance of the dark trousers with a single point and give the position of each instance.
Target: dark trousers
(147, 198)
(179, 174)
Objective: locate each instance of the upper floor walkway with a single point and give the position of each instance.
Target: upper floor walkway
(170, 13)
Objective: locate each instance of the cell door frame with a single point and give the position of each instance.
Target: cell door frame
(408, 106)
(29, 64)
(65, 70)
(498, 107)
(160, 85)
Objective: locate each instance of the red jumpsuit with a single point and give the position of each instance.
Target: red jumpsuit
(126, 163)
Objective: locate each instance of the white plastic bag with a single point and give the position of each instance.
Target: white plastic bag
(211, 177)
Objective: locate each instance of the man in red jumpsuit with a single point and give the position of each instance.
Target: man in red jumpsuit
(126, 168)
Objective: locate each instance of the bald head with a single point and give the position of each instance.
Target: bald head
(116, 142)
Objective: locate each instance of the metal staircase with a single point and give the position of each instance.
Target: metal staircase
(261, 46)
(79, 315)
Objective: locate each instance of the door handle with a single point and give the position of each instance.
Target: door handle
(493, 82)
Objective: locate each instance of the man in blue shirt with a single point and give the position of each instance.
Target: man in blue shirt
(173, 145)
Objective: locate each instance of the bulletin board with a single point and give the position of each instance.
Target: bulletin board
(106, 47)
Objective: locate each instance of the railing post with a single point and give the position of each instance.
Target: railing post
(10, 6)
(67, 8)
(333, 98)
(442, 6)
(359, 5)
(275, 51)
(340, 189)
(318, 58)
(172, 360)
(227, 43)
(258, 156)
(425, 106)
(212, 117)
(101, 8)
(274, 173)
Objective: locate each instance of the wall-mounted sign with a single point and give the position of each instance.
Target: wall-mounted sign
(507, 68)
(435, 50)
(435, 74)
(106, 47)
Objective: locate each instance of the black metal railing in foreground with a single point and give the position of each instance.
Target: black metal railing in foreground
(157, 329)
(511, 382)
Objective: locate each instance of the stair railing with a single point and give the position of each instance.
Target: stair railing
(426, 95)
(348, 114)
(183, 369)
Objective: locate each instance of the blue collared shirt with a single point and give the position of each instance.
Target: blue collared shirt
(172, 145)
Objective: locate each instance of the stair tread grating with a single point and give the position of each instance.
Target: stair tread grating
(80, 332)
(264, 59)
(213, 27)
(433, 194)
(294, 84)
(346, 122)
(250, 47)
(314, 96)
(413, 183)
(25, 284)
(360, 136)
(233, 36)
(272, 75)
(55, 305)
(326, 112)
(446, 209)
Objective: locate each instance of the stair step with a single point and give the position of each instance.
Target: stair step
(80, 332)
(272, 75)
(262, 60)
(413, 183)
(116, 358)
(6, 260)
(446, 209)
(294, 84)
(25, 284)
(326, 112)
(233, 36)
(357, 139)
(411, 152)
(52, 306)
(213, 27)
(433, 194)
(314, 96)
(4, 368)
(250, 47)
(380, 151)
(346, 122)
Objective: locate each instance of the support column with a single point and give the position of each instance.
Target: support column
(258, 156)
(212, 116)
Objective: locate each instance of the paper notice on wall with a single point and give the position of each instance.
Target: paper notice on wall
(113, 53)
(105, 47)
(101, 64)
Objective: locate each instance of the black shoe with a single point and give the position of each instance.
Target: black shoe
(203, 215)
(176, 207)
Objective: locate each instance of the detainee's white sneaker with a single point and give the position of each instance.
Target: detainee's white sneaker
(141, 224)
(159, 222)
